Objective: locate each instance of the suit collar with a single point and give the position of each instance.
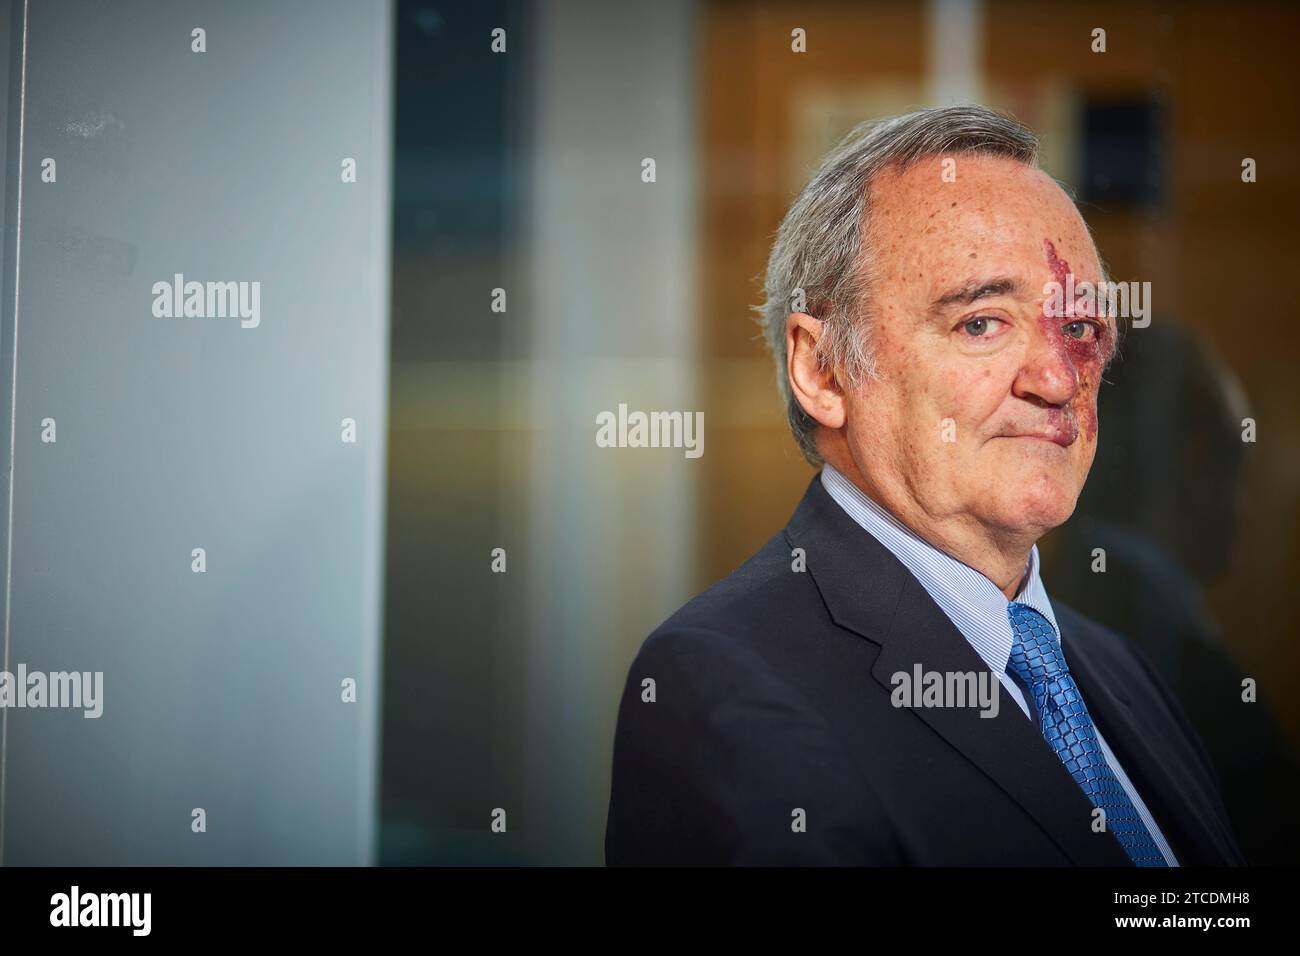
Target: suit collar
(868, 591)
(970, 600)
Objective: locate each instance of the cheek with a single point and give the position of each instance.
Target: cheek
(943, 410)
(1086, 455)
(1086, 408)
(1086, 357)
(928, 392)
(974, 391)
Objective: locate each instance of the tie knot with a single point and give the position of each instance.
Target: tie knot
(1035, 652)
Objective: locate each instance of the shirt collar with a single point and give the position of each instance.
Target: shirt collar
(974, 604)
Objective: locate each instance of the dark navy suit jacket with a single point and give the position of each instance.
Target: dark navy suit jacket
(772, 705)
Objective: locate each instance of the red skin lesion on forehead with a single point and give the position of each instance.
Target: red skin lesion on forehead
(1085, 356)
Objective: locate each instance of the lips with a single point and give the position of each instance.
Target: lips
(1063, 433)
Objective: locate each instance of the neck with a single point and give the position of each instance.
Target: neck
(1002, 558)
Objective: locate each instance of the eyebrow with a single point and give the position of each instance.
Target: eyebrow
(975, 290)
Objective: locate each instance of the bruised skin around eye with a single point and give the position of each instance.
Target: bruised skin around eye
(1086, 356)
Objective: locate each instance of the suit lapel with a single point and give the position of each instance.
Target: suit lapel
(1174, 795)
(870, 592)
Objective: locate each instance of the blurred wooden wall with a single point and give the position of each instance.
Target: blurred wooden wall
(1220, 256)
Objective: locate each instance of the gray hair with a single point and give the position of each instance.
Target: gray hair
(820, 262)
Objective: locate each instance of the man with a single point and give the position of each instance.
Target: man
(821, 704)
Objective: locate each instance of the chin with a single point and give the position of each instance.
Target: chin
(1042, 515)
(1043, 505)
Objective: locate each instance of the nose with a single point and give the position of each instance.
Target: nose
(1047, 376)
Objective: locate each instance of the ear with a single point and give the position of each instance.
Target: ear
(815, 388)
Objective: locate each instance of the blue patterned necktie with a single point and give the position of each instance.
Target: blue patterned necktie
(1037, 660)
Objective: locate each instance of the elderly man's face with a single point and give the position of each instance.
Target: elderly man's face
(986, 410)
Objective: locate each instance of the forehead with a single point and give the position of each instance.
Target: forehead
(993, 216)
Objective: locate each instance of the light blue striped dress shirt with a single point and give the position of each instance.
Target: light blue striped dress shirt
(974, 604)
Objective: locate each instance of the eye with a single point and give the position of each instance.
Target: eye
(1080, 330)
(979, 325)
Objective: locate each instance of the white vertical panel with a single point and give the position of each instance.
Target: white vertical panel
(221, 689)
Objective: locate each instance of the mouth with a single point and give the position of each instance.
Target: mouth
(1065, 434)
